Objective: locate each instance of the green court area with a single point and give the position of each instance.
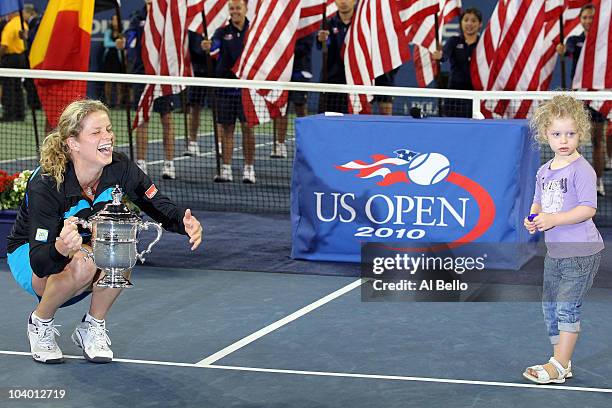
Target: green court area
(18, 139)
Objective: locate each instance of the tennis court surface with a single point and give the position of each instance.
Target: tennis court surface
(224, 330)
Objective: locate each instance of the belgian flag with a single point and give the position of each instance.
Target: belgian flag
(62, 43)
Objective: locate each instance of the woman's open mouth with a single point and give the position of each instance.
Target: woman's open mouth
(106, 148)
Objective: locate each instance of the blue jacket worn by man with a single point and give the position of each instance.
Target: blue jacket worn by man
(302, 58)
(227, 45)
(335, 42)
(197, 55)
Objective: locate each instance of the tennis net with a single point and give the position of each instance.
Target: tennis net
(182, 128)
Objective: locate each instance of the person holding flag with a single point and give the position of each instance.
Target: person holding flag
(353, 60)
(196, 94)
(334, 34)
(226, 46)
(164, 105)
(573, 48)
(13, 55)
(458, 52)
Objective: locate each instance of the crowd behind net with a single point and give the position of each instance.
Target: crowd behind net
(196, 167)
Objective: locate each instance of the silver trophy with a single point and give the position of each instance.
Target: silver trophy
(114, 235)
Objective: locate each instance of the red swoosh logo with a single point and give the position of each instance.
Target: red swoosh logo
(486, 206)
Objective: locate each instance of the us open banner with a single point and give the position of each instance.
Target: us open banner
(364, 178)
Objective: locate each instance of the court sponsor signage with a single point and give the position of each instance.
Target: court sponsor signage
(362, 178)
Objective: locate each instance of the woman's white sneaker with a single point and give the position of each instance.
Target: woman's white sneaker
(92, 337)
(41, 334)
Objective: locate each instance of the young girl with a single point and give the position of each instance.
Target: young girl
(563, 207)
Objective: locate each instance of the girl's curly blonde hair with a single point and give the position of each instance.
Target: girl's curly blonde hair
(561, 106)
(55, 153)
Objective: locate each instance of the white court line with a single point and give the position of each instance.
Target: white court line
(403, 378)
(212, 153)
(118, 360)
(340, 375)
(279, 323)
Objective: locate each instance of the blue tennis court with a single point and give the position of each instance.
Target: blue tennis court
(215, 333)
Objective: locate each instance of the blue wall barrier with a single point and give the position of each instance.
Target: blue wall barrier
(395, 179)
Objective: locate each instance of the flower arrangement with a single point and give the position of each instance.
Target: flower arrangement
(12, 188)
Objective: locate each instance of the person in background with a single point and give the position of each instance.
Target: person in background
(28, 83)
(164, 105)
(112, 59)
(458, 51)
(302, 72)
(13, 42)
(337, 27)
(226, 46)
(196, 94)
(573, 48)
(33, 19)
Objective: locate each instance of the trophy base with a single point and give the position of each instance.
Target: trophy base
(114, 279)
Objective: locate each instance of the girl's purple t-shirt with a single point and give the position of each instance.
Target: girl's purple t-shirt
(562, 190)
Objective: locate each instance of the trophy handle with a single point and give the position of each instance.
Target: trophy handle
(83, 223)
(145, 226)
(87, 225)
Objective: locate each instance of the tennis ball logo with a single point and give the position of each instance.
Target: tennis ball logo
(428, 168)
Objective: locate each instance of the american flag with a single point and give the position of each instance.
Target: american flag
(413, 12)
(375, 44)
(594, 68)
(164, 51)
(570, 13)
(216, 11)
(487, 47)
(311, 15)
(382, 166)
(268, 55)
(511, 54)
(423, 36)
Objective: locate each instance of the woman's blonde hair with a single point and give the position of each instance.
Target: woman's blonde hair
(561, 106)
(55, 153)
